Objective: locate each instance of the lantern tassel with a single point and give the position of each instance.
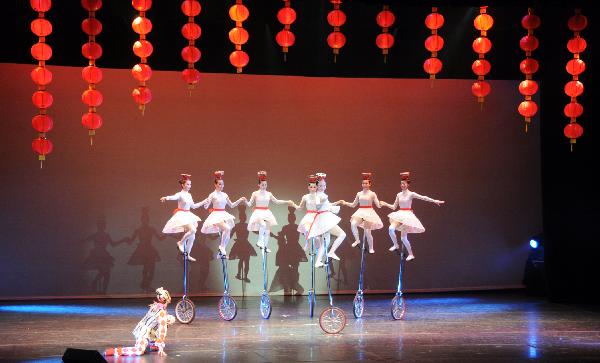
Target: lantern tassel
(285, 57)
(91, 141)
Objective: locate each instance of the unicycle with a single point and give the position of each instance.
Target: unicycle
(311, 293)
(358, 304)
(185, 310)
(332, 319)
(398, 306)
(265, 301)
(227, 306)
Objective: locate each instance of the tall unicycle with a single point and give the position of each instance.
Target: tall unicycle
(398, 307)
(227, 306)
(265, 301)
(332, 319)
(311, 293)
(358, 305)
(185, 311)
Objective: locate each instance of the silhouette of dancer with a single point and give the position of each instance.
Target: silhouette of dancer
(99, 258)
(145, 254)
(242, 249)
(288, 258)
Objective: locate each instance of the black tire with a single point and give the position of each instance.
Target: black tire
(227, 308)
(332, 320)
(398, 308)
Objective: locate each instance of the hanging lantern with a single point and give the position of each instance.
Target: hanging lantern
(481, 67)
(285, 38)
(238, 35)
(91, 74)
(191, 31)
(41, 76)
(142, 48)
(434, 43)
(384, 41)
(336, 18)
(529, 66)
(575, 67)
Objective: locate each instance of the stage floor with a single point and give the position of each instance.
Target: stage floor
(451, 327)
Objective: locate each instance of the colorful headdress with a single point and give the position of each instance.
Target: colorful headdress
(219, 174)
(366, 176)
(185, 177)
(163, 296)
(405, 176)
(312, 178)
(262, 176)
(321, 176)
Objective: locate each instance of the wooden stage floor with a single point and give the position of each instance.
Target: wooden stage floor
(507, 326)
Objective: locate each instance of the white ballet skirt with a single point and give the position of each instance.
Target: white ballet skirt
(258, 215)
(323, 222)
(370, 219)
(180, 219)
(216, 217)
(409, 222)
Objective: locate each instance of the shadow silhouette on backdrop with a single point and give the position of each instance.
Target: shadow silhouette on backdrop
(99, 258)
(288, 258)
(200, 269)
(145, 254)
(242, 250)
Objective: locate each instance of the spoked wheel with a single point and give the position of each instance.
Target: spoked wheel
(332, 320)
(265, 306)
(358, 305)
(311, 303)
(398, 307)
(227, 308)
(185, 311)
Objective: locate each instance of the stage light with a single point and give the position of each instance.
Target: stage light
(533, 243)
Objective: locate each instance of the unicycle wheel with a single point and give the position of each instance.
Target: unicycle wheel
(398, 308)
(358, 305)
(227, 308)
(332, 320)
(265, 306)
(185, 311)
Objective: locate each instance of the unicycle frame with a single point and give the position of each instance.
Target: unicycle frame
(264, 314)
(401, 272)
(226, 296)
(311, 292)
(185, 301)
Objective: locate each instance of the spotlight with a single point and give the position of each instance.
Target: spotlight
(533, 243)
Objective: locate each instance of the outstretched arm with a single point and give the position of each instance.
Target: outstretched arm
(170, 197)
(203, 203)
(302, 203)
(376, 200)
(251, 201)
(351, 205)
(208, 201)
(427, 199)
(235, 204)
(391, 206)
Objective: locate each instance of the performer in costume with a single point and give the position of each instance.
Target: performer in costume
(262, 219)
(151, 330)
(318, 221)
(328, 211)
(365, 217)
(183, 220)
(404, 220)
(218, 220)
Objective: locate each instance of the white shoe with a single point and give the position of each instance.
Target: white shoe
(180, 246)
(410, 257)
(260, 245)
(222, 250)
(394, 247)
(333, 255)
(319, 264)
(268, 250)
(371, 251)
(356, 243)
(190, 258)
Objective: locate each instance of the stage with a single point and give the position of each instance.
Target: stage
(500, 326)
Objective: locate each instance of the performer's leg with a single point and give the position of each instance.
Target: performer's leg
(320, 251)
(392, 232)
(340, 235)
(404, 238)
(187, 231)
(189, 242)
(263, 235)
(139, 349)
(225, 235)
(354, 227)
(370, 240)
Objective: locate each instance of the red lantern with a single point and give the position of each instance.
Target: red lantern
(91, 26)
(575, 67)
(434, 43)
(141, 25)
(92, 74)
(528, 87)
(91, 5)
(577, 22)
(142, 48)
(91, 121)
(141, 72)
(42, 123)
(529, 66)
(191, 76)
(531, 21)
(141, 5)
(336, 18)
(576, 45)
(483, 22)
(385, 40)
(528, 109)
(239, 13)
(573, 110)
(385, 18)
(190, 54)
(239, 59)
(92, 98)
(191, 8)
(573, 131)
(142, 95)
(41, 76)
(191, 31)
(239, 36)
(529, 43)
(91, 50)
(285, 38)
(574, 89)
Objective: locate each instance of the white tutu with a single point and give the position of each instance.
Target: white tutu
(410, 222)
(260, 215)
(214, 218)
(323, 223)
(180, 219)
(370, 219)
